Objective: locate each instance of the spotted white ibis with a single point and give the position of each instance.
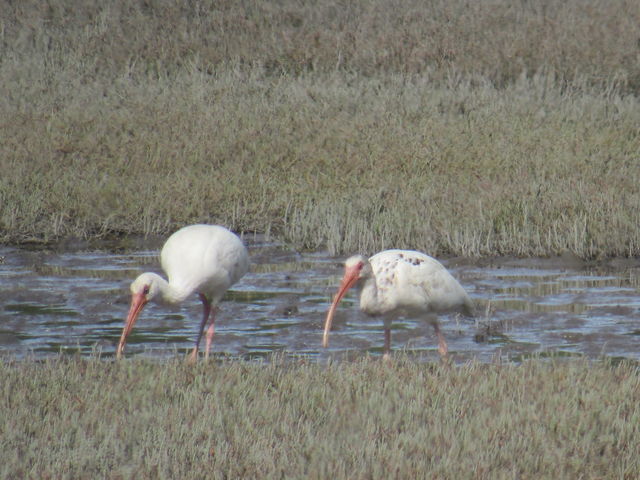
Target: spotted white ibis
(396, 283)
(202, 259)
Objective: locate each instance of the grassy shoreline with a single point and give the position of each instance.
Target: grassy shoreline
(473, 129)
(80, 418)
(388, 125)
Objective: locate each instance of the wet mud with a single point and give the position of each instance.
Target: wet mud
(74, 299)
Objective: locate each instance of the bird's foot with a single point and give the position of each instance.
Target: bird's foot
(443, 350)
(119, 350)
(193, 357)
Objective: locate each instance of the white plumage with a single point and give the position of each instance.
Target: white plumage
(396, 283)
(202, 259)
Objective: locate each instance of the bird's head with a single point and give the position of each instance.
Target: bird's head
(145, 286)
(355, 268)
(143, 289)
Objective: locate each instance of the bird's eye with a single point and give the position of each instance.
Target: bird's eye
(145, 290)
(360, 266)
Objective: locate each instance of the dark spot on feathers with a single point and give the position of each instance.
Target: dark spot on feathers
(416, 261)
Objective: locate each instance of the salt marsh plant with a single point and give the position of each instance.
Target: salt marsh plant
(92, 418)
(472, 129)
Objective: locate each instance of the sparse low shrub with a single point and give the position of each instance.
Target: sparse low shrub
(76, 418)
(481, 129)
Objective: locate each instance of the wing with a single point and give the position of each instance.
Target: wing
(417, 283)
(204, 258)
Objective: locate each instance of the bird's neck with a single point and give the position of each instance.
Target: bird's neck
(369, 299)
(171, 293)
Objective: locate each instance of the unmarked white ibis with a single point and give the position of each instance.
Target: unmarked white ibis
(202, 259)
(396, 283)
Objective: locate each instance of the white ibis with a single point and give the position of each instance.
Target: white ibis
(202, 259)
(396, 283)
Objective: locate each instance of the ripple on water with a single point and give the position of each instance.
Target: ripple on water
(76, 301)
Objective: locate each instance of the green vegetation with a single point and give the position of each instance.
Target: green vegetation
(497, 127)
(75, 418)
(480, 128)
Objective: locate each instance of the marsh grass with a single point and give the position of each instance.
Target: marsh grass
(485, 129)
(91, 418)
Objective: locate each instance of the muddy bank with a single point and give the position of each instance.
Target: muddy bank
(74, 297)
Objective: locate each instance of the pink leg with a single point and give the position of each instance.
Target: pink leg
(387, 344)
(443, 348)
(210, 330)
(207, 310)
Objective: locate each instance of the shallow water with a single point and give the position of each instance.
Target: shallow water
(75, 301)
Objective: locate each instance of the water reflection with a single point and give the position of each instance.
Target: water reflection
(76, 301)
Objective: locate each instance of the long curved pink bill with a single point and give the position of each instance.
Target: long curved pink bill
(138, 301)
(348, 281)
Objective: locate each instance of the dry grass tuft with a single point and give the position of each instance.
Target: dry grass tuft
(72, 418)
(472, 129)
